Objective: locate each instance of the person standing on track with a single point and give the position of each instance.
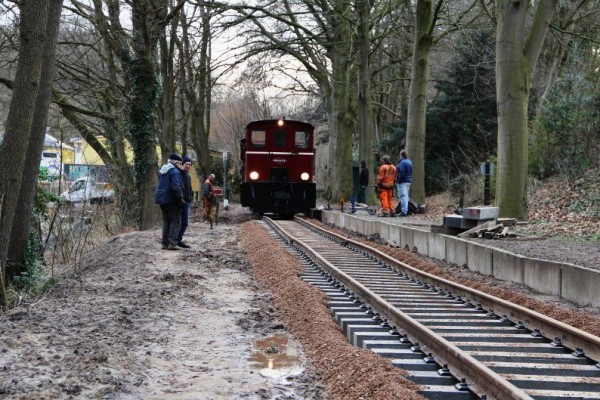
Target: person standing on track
(404, 180)
(186, 185)
(169, 195)
(209, 200)
(385, 184)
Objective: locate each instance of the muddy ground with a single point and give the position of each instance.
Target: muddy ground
(141, 322)
(226, 319)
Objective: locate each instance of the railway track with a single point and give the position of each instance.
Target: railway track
(459, 343)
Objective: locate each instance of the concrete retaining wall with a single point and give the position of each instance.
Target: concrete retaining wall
(437, 246)
(580, 285)
(456, 250)
(572, 282)
(384, 231)
(479, 258)
(507, 266)
(543, 275)
(420, 241)
(407, 238)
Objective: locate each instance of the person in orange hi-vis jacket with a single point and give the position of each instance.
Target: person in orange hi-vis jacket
(385, 184)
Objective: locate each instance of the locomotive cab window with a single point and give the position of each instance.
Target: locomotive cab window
(280, 138)
(301, 139)
(257, 138)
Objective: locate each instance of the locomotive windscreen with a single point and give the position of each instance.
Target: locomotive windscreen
(301, 139)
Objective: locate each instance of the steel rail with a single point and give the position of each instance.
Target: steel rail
(486, 380)
(570, 337)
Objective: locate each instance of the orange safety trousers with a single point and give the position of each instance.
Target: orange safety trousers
(386, 197)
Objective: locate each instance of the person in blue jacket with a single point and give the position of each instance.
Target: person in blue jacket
(169, 195)
(404, 174)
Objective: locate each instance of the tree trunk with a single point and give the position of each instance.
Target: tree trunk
(142, 117)
(20, 118)
(365, 111)
(516, 56)
(341, 134)
(23, 212)
(143, 129)
(167, 139)
(340, 118)
(198, 88)
(417, 101)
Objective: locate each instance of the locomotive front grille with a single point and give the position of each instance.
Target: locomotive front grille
(279, 175)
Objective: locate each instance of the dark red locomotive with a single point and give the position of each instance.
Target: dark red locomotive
(278, 159)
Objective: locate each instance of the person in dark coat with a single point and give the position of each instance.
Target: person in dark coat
(363, 181)
(169, 195)
(186, 185)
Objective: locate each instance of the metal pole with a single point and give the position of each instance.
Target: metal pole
(486, 186)
(225, 197)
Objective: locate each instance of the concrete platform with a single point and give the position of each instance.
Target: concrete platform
(575, 283)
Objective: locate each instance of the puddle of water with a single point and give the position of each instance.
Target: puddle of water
(277, 356)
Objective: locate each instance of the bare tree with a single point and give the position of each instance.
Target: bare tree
(23, 212)
(137, 54)
(28, 93)
(197, 84)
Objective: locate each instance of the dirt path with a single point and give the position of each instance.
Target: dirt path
(143, 323)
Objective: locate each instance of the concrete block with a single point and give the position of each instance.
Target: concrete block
(374, 227)
(332, 217)
(326, 217)
(456, 250)
(337, 220)
(508, 266)
(363, 226)
(353, 223)
(407, 240)
(384, 230)
(348, 218)
(344, 221)
(479, 258)
(542, 275)
(581, 285)
(437, 246)
(457, 221)
(421, 241)
(395, 235)
(481, 212)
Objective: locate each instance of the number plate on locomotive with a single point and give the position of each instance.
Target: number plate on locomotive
(280, 195)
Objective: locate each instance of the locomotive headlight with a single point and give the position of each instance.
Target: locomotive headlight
(280, 122)
(304, 176)
(254, 175)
